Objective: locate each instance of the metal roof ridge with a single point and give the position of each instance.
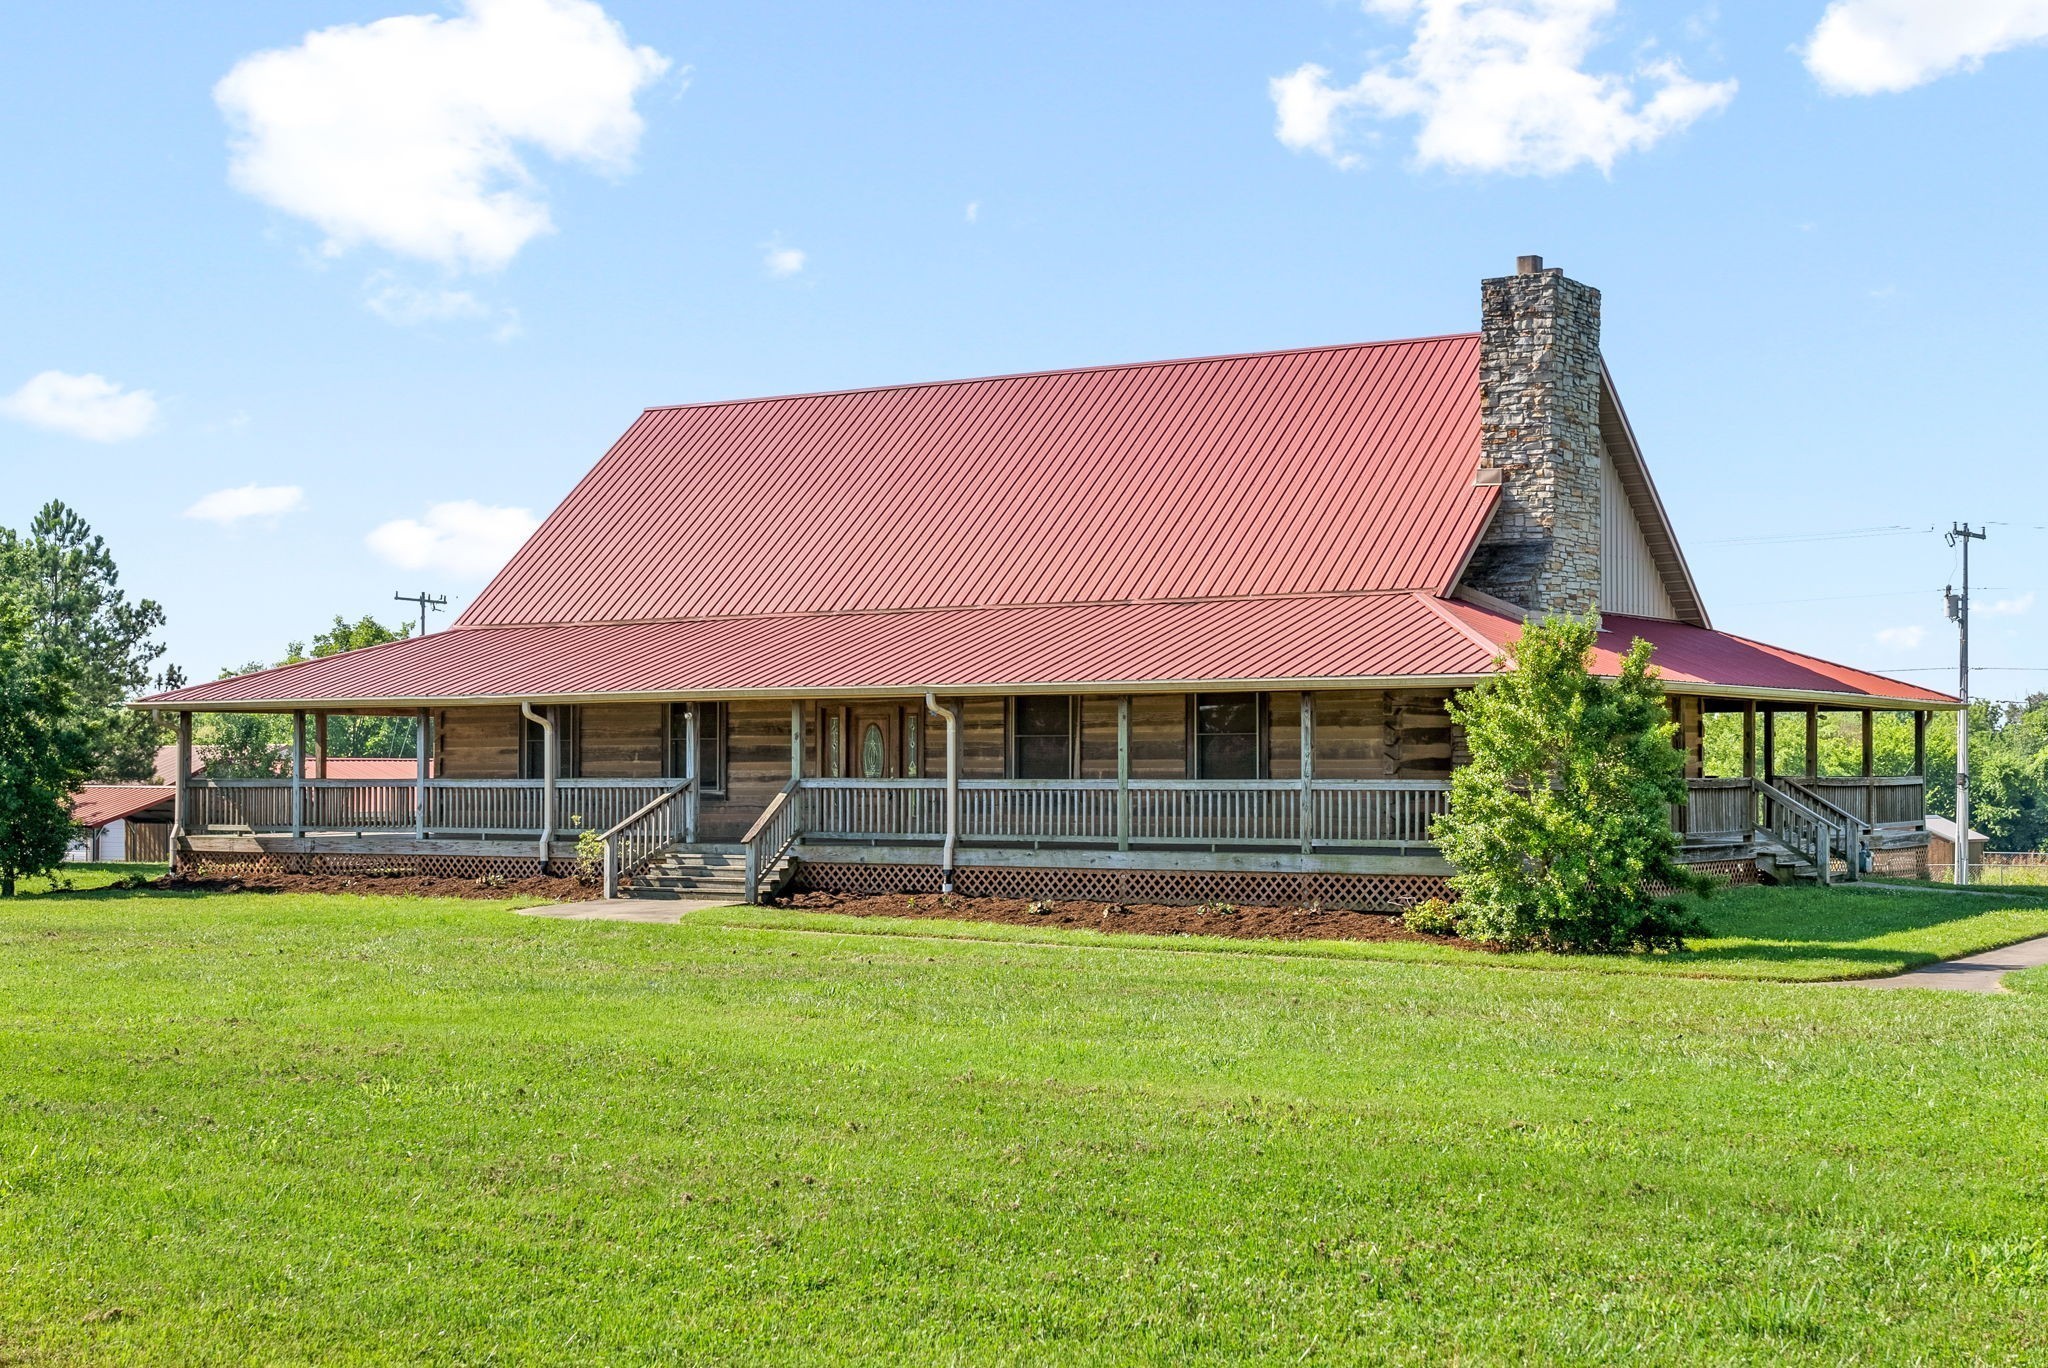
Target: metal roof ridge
(1442, 609)
(812, 614)
(1062, 370)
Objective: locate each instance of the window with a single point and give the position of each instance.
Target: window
(831, 737)
(533, 748)
(1042, 738)
(710, 744)
(913, 743)
(1227, 736)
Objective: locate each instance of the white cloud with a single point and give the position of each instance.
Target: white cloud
(408, 132)
(410, 305)
(783, 262)
(974, 211)
(1871, 47)
(229, 506)
(1496, 86)
(2010, 607)
(88, 406)
(1901, 638)
(463, 538)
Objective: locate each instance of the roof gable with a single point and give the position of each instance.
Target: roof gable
(1333, 470)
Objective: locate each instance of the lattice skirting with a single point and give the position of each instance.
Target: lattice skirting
(231, 864)
(1166, 887)
(1909, 863)
(1734, 872)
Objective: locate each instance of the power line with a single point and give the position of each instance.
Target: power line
(1890, 530)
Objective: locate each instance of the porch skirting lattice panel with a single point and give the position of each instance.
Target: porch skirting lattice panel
(1364, 892)
(211, 864)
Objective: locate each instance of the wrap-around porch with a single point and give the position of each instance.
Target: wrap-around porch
(841, 783)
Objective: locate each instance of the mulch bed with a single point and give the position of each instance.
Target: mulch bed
(384, 885)
(1215, 919)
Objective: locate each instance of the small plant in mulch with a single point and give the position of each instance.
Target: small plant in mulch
(1039, 907)
(1433, 917)
(1217, 909)
(589, 856)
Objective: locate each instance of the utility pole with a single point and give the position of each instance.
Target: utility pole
(1959, 614)
(434, 601)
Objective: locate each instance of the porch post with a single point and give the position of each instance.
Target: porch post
(796, 742)
(1770, 745)
(1920, 743)
(181, 792)
(1123, 772)
(1813, 740)
(1869, 743)
(320, 745)
(1308, 770)
(690, 773)
(1748, 739)
(419, 781)
(298, 774)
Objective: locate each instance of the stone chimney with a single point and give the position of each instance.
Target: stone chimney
(1539, 387)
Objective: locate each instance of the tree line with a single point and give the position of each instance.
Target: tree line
(74, 649)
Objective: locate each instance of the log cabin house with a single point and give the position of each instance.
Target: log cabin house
(1178, 630)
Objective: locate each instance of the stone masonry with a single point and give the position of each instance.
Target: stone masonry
(1539, 385)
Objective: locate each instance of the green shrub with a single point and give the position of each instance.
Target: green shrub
(1560, 825)
(589, 855)
(1433, 917)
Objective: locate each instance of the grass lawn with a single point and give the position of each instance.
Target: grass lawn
(1790, 934)
(301, 1129)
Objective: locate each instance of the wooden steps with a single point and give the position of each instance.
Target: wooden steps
(700, 873)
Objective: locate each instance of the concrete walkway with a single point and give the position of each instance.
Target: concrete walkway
(659, 912)
(1972, 973)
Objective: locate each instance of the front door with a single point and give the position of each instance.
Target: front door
(872, 745)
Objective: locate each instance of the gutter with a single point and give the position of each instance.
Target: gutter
(952, 716)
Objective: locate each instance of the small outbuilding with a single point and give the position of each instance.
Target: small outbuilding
(1941, 844)
(122, 822)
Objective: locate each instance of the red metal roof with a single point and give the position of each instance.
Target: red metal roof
(1687, 656)
(1272, 519)
(97, 804)
(1269, 639)
(1247, 642)
(1333, 470)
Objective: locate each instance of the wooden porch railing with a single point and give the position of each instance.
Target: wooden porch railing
(1716, 810)
(637, 838)
(773, 835)
(454, 807)
(1145, 812)
(1884, 800)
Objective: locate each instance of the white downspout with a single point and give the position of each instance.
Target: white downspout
(549, 764)
(952, 716)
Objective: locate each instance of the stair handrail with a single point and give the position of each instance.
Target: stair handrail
(777, 829)
(1852, 827)
(632, 843)
(1821, 827)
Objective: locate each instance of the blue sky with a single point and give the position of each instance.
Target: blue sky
(1822, 259)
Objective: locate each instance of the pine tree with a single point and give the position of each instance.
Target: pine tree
(1561, 823)
(45, 749)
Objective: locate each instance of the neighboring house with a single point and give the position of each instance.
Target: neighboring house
(338, 766)
(1941, 844)
(122, 822)
(1183, 629)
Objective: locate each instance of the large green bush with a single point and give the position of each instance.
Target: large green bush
(1560, 825)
